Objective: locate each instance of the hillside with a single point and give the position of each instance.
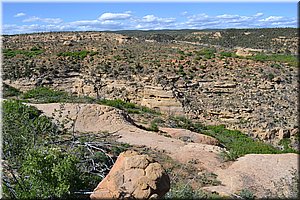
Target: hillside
(200, 102)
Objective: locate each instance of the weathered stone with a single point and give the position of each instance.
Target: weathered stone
(156, 97)
(283, 134)
(133, 176)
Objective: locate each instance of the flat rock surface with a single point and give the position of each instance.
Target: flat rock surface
(262, 174)
(98, 118)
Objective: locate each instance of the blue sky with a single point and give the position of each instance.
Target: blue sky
(36, 17)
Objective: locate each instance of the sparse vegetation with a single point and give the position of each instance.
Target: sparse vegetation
(208, 53)
(77, 54)
(9, 53)
(45, 95)
(227, 54)
(282, 58)
(185, 191)
(237, 143)
(246, 194)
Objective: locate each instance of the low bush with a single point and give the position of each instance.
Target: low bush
(185, 191)
(77, 54)
(9, 91)
(282, 58)
(48, 173)
(208, 53)
(227, 54)
(246, 194)
(12, 53)
(46, 95)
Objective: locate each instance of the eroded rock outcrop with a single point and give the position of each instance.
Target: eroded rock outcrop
(133, 176)
(158, 98)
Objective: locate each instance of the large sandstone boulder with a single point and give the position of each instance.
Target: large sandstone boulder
(133, 176)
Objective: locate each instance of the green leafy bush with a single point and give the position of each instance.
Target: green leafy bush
(227, 54)
(208, 53)
(153, 127)
(238, 143)
(282, 58)
(246, 194)
(77, 54)
(39, 160)
(22, 128)
(48, 173)
(185, 191)
(12, 53)
(46, 95)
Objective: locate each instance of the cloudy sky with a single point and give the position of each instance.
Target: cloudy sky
(39, 17)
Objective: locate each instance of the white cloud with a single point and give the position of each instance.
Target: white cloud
(226, 16)
(19, 15)
(154, 19)
(272, 19)
(84, 23)
(127, 21)
(258, 14)
(44, 20)
(115, 16)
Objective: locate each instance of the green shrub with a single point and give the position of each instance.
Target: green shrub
(282, 58)
(9, 91)
(153, 127)
(12, 53)
(271, 76)
(48, 173)
(238, 143)
(246, 194)
(22, 129)
(46, 95)
(208, 53)
(185, 191)
(77, 54)
(229, 156)
(38, 156)
(227, 54)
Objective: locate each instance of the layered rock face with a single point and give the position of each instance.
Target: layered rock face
(158, 98)
(133, 176)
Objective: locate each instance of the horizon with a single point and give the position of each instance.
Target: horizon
(114, 31)
(25, 18)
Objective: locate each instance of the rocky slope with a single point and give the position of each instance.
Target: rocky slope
(175, 77)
